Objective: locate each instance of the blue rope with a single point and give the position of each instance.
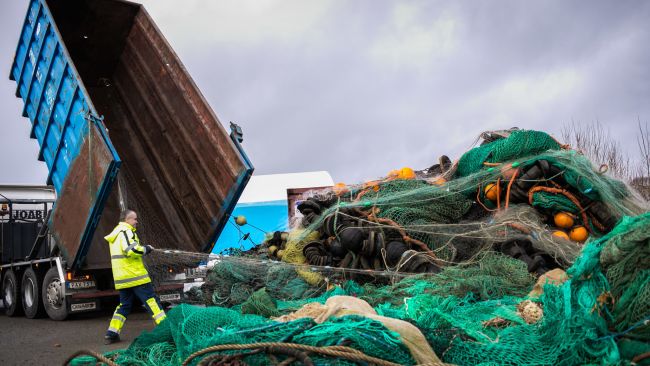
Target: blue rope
(638, 324)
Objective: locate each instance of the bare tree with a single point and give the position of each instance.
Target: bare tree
(595, 142)
(643, 139)
(641, 179)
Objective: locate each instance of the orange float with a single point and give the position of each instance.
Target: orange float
(406, 173)
(241, 220)
(340, 188)
(561, 234)
(563, 220)
(491, 192)
(579, 234)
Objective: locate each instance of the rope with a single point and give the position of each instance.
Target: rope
(597, 223)
(228, 359)
(334, 351)
(405, 236)
(478, 199)
(371, 186)
(562, 146)
(94, 354)
(512, 180)
(255, 227)
(498, 193)
(519, 226)
(603, 169)
(641, 357)
(565, 193)
(641, 323)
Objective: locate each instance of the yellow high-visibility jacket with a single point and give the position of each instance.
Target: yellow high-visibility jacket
(126, 257)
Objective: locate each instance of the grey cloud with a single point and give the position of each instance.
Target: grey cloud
(319, 101)
(18, 153)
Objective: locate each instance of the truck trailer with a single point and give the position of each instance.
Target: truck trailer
(120, 124)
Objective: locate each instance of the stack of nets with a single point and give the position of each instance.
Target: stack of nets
(486, 281)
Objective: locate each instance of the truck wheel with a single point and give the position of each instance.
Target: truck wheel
(11, 294)
(31, 291)
(54, 296)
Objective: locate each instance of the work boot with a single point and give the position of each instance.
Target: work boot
(110, 339)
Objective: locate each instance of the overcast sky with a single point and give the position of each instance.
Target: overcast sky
(358, 88)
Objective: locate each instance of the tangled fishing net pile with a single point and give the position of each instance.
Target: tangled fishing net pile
(519, 253)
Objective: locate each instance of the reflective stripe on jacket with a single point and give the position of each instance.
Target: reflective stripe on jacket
(126, 257)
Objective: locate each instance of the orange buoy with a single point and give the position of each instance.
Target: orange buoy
(563, 220)
(241, 220)
(406, 173)
(579, 234)
(561, 234)
(491, 192)
(340, 188)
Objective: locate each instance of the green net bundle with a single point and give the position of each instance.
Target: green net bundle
(475, 323)
(519, 144)
(487, 277)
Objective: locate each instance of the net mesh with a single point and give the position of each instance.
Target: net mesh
(475, 272)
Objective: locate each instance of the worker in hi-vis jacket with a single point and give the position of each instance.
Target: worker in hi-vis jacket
(129, 274)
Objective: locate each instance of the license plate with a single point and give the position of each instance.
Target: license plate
(170, 297)
(81, 284)
(83, 306)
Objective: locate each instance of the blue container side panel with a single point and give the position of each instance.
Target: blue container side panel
(43, 76)
(45, 106)
(74, 127)
(25, 35)
(59, 109)
(268, 216)
(54, 101)
(25, 41)
(55, 124)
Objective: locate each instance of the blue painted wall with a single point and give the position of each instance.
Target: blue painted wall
(269, 216)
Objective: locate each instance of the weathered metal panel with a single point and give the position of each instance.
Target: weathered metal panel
(192, 196)
(179, 167)
(89, 173)
(80, 159)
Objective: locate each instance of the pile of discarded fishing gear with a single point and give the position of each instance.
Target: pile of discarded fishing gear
(521, 252)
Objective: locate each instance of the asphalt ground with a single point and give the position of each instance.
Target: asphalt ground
(47, 342)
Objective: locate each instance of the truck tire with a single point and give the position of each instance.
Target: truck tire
(54, 300)
(31, 294)
(11, 294)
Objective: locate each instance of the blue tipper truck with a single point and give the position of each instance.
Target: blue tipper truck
(119, 123)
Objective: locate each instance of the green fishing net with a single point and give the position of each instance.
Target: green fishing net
(476, 308)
